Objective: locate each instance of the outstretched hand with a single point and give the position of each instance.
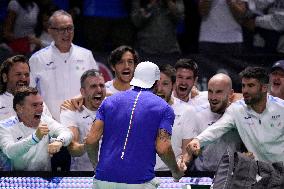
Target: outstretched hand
(193, 147)
(54, 147)
(73, 104)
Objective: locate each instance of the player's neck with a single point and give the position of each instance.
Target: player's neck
(89, 106)
(121, 86)
(170, 101)
(63, 49)
(182, 98)
(260, 106)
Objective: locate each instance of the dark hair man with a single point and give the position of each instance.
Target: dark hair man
(258, 118)
(26, 138)
(134, 124)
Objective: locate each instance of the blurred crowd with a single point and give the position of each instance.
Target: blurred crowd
(153, 27)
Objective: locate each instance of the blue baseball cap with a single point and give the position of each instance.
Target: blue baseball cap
(277, 65)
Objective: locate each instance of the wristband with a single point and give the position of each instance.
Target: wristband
(35, 139)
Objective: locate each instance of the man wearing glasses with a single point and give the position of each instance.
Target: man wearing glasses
(56, 69)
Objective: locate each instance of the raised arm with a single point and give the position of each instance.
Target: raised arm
(92, 141)
(73, 104)
(193, 149)
(8, 25)
(68, 118)
(273, 21)
(15, 149)
(204, 7)
(176, 8)
(212, 133)
(141, 15)
(76, 148)
(185, 158)
(238, 9)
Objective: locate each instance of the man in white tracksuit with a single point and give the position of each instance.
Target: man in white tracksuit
(183, 115)
(56, 69)
(30, 138)
(122, 61)
(220, 96)
(79, 122)
(14, 73)
(259, 119)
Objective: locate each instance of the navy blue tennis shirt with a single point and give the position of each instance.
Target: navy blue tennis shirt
(131, 158)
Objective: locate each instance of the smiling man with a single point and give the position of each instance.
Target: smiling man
(277, 79)
(220, 93)
(183, 114)
(25, 138)
(220, 96)
(14, 73)
(186, 78)
(56, 69)
(79, 122)
(258, 118)
(135, 124)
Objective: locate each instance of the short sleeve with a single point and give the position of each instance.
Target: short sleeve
(167, 119)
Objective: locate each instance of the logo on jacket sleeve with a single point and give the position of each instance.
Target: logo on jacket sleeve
(275, 116)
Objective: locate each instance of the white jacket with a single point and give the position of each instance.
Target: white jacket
(17, 143)
(262, 133)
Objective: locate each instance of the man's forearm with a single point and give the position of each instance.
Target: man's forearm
(204, 7)
(169, 159)
(271, 21)
(92, 150)
(165, 151)
(15, 149)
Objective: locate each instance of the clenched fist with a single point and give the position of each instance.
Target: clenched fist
(41, 130)
(54, 147)
(193, 147)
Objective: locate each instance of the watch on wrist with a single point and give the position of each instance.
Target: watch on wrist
(59, 140)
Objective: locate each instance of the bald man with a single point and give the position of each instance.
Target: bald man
(220, 95)
(258, 117)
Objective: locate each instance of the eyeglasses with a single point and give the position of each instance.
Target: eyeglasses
(63, 30)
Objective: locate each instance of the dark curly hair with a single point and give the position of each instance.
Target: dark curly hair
(258, 73)
(117, 53)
